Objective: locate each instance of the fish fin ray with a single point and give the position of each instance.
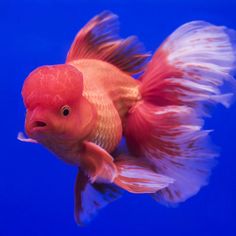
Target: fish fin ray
(172, 140)
(190, 175)
(182, 81)
(90, 197)
(99, 39)
(127, 173)
(136, 176)
(21, 137)
(97, 163)
(191, 67)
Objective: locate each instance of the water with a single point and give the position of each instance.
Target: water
(36, 190)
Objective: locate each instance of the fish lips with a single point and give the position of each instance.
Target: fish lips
(36, 128)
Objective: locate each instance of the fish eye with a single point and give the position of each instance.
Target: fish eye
(65, 110)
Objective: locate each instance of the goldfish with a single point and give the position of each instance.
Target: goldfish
(84, 109)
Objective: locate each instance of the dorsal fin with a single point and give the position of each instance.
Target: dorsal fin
(99, 39)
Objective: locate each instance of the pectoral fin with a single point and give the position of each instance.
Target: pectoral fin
(22, 138)
(97, 163)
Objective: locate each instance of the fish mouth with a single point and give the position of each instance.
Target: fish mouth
(38, 125)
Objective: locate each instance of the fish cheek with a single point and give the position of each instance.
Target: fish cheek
(56, 123)
(68, 126)
(86, 118)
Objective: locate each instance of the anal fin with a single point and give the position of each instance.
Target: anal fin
(89, 198)
(136, 176)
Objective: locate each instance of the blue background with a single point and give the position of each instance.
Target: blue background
(36, 189)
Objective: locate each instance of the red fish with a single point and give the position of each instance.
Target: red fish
(80, 110)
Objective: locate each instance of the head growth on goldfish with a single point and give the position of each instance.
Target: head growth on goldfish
(54, 104)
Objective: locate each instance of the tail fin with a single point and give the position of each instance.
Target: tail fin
(99, 39)
(180, 83)
(191, 66)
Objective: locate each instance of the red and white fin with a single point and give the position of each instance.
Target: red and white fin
(99, 39)
(136, 176)
(89, 198)
(172, 140)
(132, 175)
(190, 175)
(191, 66)
(182, 80)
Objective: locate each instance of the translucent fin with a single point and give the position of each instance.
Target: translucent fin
(172, 140)
(129, 174)
(183, 79)
(191, 66)
(21, 137)
(190, 175)
(89, 198)
(99, 39)
(136, 176)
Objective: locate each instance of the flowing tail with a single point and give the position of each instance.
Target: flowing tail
(170, 153)
(183, 79)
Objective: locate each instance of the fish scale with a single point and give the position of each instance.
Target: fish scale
(108, 130)
(112, 93)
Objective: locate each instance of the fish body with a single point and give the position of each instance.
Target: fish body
(112, 93)
(81, 110)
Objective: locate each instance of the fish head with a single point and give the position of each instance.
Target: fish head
(55, 106)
